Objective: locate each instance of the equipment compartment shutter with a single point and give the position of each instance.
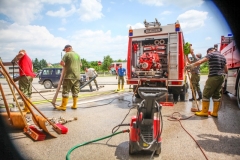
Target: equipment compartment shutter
(173, 55)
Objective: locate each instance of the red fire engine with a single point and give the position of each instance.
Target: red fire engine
(229, 49)
(156, 58)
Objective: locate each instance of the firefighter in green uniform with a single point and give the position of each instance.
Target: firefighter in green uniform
(71, 81)
(213, 85)
(195, 75)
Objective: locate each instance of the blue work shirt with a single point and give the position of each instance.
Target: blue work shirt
(121, 71)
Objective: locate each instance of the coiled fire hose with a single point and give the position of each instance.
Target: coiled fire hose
(85, 143)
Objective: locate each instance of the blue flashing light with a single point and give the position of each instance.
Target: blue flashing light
(130, 32)
(177, 29)
(230, 35)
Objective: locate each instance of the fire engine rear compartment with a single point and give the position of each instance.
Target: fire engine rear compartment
(149, 58)
(155, 60)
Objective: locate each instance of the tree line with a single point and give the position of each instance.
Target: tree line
(105, 64)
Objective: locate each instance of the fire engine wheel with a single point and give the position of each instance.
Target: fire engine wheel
(158, 151)
(238, 94)
(47, 84)
(182, 96)
(175, 97)
(131, 151)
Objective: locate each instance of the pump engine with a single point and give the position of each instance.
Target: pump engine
(149, 60)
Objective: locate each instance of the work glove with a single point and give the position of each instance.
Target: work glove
(189, 67)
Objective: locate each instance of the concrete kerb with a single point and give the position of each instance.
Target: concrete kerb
(84, 96)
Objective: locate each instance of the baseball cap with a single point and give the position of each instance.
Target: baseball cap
(210, 49)
(66, 47)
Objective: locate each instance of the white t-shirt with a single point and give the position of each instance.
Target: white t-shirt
(90, 72)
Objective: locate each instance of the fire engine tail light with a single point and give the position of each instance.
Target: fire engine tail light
(130, 31)
(175, 83)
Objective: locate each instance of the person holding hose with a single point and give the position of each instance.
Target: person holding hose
(90, 73)
(213, 85)
(26, 76)
(71, 78)
(121, 72)
(195, 75)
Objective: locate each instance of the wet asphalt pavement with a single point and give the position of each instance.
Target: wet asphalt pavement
(97, 115)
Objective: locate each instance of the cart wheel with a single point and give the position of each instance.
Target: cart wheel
(158, 151)
(131, 152)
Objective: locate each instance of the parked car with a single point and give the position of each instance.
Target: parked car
(49, 77)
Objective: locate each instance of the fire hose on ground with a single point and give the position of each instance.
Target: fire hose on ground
(99, 139)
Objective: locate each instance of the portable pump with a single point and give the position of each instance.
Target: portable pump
(146, 127)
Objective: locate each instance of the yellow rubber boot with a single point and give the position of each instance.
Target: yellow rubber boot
(216, 105)
(118, 87)
(75, 99)
(122, 87)
(26, 105)
(204, 111)
(63, 106)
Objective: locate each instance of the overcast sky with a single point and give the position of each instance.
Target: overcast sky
(97, 28)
